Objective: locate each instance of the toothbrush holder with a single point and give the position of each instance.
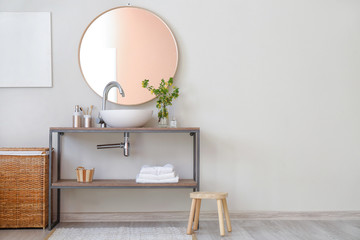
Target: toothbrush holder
(87, 121)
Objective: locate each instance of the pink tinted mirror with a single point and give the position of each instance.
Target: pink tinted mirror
(128, 45)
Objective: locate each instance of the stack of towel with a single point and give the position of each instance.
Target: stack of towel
(157, 174)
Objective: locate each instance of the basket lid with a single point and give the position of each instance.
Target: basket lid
(24, 151)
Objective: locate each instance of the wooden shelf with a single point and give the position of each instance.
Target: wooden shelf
(60, 184)
(130, 130)
(121, 183)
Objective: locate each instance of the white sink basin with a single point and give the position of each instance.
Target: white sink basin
(126, 118)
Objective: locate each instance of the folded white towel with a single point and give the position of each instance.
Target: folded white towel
(169, 180)
(156, 177)
(157, 170)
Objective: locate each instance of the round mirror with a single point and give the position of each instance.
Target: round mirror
(128, 45)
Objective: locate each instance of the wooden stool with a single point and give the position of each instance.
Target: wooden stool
(195, 210)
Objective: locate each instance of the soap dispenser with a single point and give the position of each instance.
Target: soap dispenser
(77, 117)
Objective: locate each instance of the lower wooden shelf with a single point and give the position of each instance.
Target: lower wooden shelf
(121, 183)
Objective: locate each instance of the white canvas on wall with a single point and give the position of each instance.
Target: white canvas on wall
(25, 49)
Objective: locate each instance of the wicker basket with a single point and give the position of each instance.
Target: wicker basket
(24, 185)
(84, 175)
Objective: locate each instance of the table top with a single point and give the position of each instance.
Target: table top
(142, 129)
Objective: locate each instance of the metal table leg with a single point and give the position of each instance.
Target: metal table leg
(51, 224)
(58, 175)
(50, 179)
(196, 159)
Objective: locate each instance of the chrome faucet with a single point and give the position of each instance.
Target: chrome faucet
(105, 96)
(126, 144)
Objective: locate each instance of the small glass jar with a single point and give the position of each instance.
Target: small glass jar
(173, 123)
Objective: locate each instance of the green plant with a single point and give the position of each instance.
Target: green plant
(165, 93)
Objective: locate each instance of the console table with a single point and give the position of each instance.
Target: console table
(56, 183)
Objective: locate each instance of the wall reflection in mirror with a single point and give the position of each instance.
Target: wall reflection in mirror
(128, 45)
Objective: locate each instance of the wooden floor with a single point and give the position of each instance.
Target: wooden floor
(242, 230)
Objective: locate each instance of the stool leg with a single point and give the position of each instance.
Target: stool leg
(227, 217)
(221, 218)
(191, 217)
(197, 214)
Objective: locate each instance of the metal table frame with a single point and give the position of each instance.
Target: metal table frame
(194, 132)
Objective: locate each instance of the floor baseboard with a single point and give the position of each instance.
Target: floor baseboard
(183, 216)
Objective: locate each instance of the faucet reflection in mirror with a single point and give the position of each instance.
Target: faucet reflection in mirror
(105, 96)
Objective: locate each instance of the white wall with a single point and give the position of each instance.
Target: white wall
(272, 84)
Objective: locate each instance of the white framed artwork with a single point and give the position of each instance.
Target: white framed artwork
(25, 49)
